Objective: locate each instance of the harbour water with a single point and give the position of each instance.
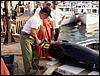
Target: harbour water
(77, 33)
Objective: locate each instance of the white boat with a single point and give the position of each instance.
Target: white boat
(89, 19)
(88, 12)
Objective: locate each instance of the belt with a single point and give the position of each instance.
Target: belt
(24, 33)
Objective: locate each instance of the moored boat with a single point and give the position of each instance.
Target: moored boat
(88, 12)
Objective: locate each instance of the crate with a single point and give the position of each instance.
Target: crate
(9, 61)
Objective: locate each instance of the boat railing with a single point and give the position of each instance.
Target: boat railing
(17, 25)
(88, 41)
(20, 23)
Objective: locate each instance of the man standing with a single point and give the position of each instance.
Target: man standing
(30, 9)
(47, 23)
(38, 7)
(29, 38)
(58, 17)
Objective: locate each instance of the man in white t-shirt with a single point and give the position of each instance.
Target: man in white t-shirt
(38, 8)
(57, 16)
(29, 40)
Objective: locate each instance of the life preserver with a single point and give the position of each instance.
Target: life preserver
(4, 69)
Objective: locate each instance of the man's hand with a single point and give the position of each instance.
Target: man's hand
(38, 42)
(45, 39)
(59, 23)
(54, 32)
(63, 17)
(34, 35)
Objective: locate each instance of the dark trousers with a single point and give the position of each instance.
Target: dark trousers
(57, 31)
(52, 36)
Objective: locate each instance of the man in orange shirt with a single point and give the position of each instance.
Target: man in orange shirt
(48, 24)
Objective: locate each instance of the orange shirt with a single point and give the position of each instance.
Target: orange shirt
(47, 25)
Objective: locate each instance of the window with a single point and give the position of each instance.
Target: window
(94, 11)
(88, 10)
(82, 10)
(61, 9)
(66, 9)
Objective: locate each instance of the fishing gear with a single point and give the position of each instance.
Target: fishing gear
(44, 45)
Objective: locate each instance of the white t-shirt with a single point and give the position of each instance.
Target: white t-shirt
(1, 11)
(57, 14)
(33, 22)
(38, 10)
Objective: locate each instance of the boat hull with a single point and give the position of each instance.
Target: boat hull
(89, 19)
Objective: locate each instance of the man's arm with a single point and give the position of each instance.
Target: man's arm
(42, 28)
(52, 25)
(61, 20)
(34, 35)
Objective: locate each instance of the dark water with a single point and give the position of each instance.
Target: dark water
(76, 33)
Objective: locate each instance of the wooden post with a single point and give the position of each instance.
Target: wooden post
(11, 3)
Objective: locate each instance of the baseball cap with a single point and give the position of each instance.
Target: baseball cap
(46, 10)
(55, 2)
(48, 4)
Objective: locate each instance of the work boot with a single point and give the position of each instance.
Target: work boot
(31, 72)
(49, 59)
(38, 67)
